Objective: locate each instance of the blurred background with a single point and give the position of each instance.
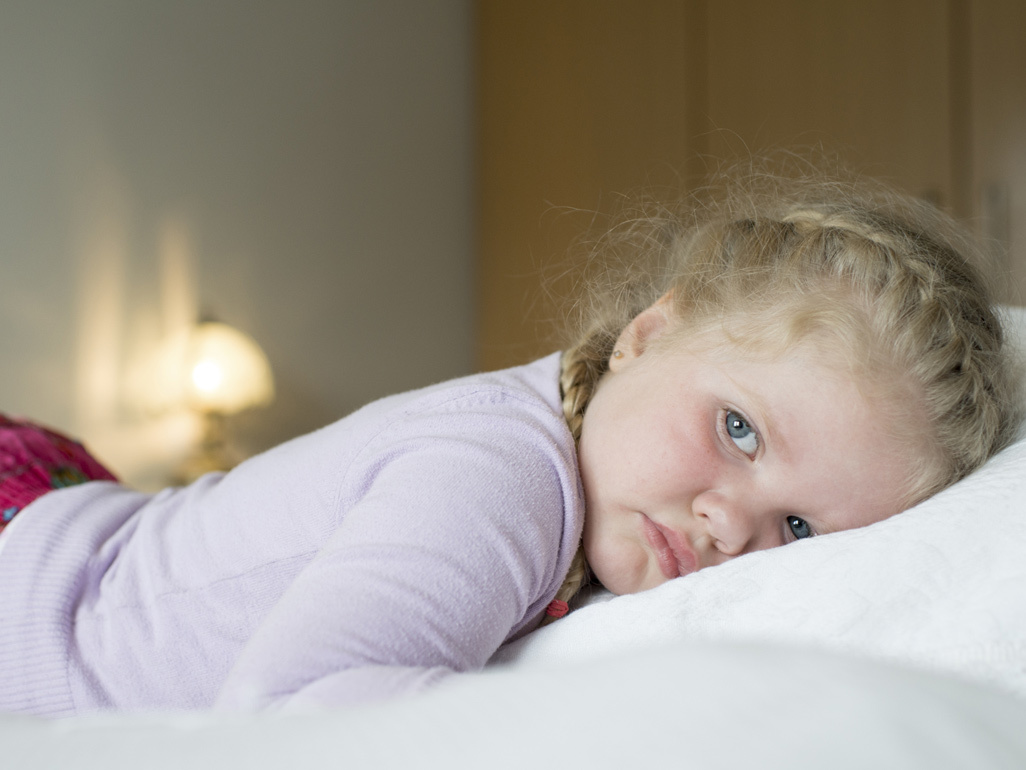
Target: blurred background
(372, 190)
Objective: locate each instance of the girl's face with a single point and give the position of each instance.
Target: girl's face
(693, 455)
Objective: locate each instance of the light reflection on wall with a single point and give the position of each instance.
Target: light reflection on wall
(103, 243)
(116, 337)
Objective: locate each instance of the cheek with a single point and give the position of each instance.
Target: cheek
(617, 559)
(680, 456)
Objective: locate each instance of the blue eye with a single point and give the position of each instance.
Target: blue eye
(799, 528)
(741, 433)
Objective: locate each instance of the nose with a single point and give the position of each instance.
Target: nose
(737, 525)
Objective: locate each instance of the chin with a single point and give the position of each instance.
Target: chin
(623, 567)
(622, 582)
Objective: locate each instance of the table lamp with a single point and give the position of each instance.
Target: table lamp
(224, 372)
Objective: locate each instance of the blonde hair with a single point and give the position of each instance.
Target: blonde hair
(890, 282)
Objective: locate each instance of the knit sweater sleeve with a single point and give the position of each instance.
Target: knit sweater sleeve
(460, 521)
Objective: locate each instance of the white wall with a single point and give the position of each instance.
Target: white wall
(302, 169)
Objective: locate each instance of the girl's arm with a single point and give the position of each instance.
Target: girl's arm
(457, 539)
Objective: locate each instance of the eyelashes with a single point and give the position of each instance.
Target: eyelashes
(739, 431)
(799, 528)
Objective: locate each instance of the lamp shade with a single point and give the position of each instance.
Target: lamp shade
(208, 367)
(224, 370)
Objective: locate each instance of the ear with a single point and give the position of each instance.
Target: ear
(646, 327)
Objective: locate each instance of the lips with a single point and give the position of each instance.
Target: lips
(671, 549)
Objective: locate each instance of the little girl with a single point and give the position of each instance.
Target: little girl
(788, 363)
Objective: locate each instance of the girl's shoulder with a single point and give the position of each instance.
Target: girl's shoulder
(533, 384)
(509, 420)
(504, 424)
(527, 394)
(495, 425)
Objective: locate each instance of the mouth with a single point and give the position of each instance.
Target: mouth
(671, 549)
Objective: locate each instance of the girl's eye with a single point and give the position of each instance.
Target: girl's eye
(741, 433)
(799, 528)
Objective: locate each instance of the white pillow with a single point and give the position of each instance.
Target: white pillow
(943, 585)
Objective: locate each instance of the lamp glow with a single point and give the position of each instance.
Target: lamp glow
(216, 371)
(206, 376)
(227, 371)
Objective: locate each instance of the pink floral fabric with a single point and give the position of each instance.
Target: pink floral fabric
(35, 460)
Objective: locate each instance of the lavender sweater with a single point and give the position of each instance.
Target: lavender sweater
(367, 559)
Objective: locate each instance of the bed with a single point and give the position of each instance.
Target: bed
(898, 645)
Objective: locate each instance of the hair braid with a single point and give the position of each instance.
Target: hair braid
(940, 326)
(581, 368)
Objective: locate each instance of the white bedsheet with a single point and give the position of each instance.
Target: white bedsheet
(691, 705)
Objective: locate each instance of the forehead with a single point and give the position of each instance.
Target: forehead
(830, 322)
(829, 330)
